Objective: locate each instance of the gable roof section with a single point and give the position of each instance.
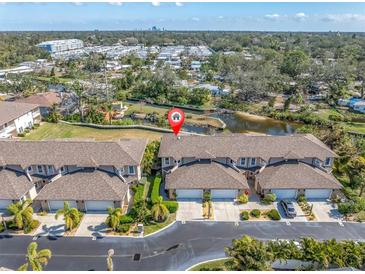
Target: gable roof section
(88, 184)
(296, 175)
(9, 111)
(46, 99)
(70, 152)
(242, 145)
(13, 185)
(206, 174)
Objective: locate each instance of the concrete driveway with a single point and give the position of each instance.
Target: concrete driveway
(189, 210)
(300, 214)
(50, 226)
(225, 211)
(92, 225)
(325, 211)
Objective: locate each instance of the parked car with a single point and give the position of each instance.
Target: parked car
(289, 209)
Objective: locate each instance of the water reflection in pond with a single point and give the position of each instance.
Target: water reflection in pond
(243, 123)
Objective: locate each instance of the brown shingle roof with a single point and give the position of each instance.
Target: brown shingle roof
(46, 99)
(205, 175)
(71, 152)
(13, 185)
(92, 185)
(296, 175)
(242, 145)
(9, 111)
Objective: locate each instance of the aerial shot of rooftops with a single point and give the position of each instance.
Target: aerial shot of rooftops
(182, 136)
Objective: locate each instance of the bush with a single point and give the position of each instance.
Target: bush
(27, 130)
(172, 206)
(360, 216)
(33, 225)
(243, 199)
(301, 198)
(138, 193)
(36, 125)
(255, 213)
(2, 228)
(269, 198)
(274, 215)
(155, 193)
(207, 196)
(244, 215)
(11, 225)
(126, 219)
(124, 228)
(21, 134)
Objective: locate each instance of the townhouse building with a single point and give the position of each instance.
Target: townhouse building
(229, 165)
(90, 175)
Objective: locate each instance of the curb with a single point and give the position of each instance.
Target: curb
(208, 261)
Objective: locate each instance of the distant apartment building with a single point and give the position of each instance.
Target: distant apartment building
(16, 117)
(61, 45)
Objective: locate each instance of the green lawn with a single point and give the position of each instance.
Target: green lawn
(148, 229)
(357, 127)
(223, 264)
(190, 117)
(62, 131)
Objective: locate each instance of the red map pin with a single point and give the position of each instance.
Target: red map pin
(176, 119)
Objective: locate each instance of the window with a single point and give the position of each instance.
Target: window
(21, 129)
(167, 161)
(62, 169)
(243, 161)
(327, 162)
(131, 169)
(316, 162)
(253, 161)
(40, 169)
(29, 168)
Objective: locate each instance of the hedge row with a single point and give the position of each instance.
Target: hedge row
(155, 193)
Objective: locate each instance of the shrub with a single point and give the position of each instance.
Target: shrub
(274, 215)
(126, 219)
(124, 228)
(27, 130)
(172, 206)
(2, 228)
(21, 134)
(36, 125)
(269, 198)
(301, 198)
(33, 225)
(138, 193)
(255, 213)
(207, 196)
(11, 225)
(244, 215)
(360, 216)
(243, 199)
(155, 193)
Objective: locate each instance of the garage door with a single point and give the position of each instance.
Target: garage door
(98, 205)
(224, 193)
(318, 193)
(56, 205)
(285, 193)
(189, 193)
(4, 203)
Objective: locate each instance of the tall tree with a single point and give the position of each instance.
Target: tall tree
(22, 212)
(159, 211)
(113, 219)
(36, 259)
(71, 216)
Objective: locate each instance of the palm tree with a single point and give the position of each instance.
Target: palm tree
(109, 260)
(159, 211)
(70, 215)
(79, 90)
(36, 259)
(22, 212)
(113, 219)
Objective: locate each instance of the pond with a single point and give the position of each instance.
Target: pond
(240, 122)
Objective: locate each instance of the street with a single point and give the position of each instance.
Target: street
(177, 248)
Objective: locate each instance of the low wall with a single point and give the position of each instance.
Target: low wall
(144, 127)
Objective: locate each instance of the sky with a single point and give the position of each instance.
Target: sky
(183, 16)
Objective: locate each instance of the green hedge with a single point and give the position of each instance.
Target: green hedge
(138, 193)
(155, 193)
(244, 215)
(255, 213)
(172, 206)
(274, 215)
(126, 219)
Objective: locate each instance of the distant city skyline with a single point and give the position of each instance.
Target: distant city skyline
(312, 17)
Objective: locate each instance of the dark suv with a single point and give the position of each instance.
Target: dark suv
(289, 209)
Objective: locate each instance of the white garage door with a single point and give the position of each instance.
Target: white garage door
(4, 203)
(56, 205)
(98, 205)
(318, 193)
(285, 193)
(189, 193)
(224, 193)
